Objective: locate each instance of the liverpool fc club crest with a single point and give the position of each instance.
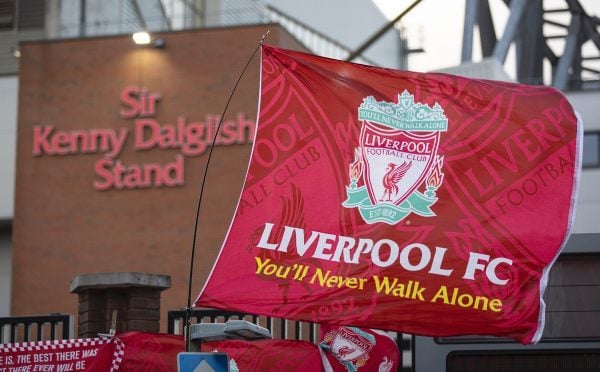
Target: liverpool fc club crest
(396, 169)
(350, 345)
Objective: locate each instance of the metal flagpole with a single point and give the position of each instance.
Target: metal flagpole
(188, 309)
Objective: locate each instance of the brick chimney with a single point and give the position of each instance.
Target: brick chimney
(134, 296)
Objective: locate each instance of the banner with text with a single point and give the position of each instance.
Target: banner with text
(87, 354)
(129, 351)
(428, 204)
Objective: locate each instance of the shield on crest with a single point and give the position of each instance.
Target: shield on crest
(396, 161)
(350, 346)
(396, 155)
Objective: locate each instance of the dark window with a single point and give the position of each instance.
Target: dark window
(7, 14)
(524, 361)
(591, 150)
(32, 14)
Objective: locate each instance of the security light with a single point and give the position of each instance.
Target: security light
(141, 38)
(244, 330)
(231, 330)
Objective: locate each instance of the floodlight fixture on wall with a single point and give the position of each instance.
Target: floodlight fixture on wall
(144, 38)
(141, 38)
(16, 52)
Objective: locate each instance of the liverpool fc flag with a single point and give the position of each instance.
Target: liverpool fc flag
(428, 204)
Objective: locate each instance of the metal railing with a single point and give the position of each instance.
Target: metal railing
(279, 328)
(18, 329)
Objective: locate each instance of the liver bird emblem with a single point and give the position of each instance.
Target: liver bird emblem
(393, 175)
(345, 350)
(386, 365)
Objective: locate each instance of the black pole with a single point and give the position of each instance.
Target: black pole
(379, 33)
(188, 309)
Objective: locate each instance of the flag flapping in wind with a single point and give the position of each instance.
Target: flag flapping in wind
(428, 204)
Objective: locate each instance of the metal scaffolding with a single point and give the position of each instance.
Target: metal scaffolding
(542, 36)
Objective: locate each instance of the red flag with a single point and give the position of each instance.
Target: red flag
(145, 351)
(268, 355)
(428, 204)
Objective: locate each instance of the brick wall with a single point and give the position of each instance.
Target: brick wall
(63, 226)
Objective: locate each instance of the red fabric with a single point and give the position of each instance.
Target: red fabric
(269, 355)
(150, 351)
(353, 349)
(428, 204)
